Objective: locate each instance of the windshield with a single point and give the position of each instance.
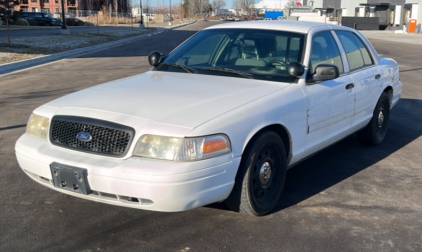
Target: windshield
(242, 53)
(47, 15)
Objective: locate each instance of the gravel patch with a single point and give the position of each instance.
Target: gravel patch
(31, 47)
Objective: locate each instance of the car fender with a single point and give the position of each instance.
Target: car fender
(287, 110)
(390, 79)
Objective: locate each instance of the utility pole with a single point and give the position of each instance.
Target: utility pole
(142, 17)
(63, 16)
(170, 14)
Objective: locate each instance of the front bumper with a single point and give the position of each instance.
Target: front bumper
(135, 182)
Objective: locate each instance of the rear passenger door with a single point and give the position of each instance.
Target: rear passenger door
(365, 73)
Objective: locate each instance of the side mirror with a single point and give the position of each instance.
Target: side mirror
(295, 69)
(325, 72)
(155, 58)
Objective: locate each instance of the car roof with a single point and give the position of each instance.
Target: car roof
(290, 26)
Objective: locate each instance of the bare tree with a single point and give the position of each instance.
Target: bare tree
(247, 5)
(89, 4)
(6, 10)
(218, 4)
(115, 11)
(147, 4)
(237, 6)
(201, 6)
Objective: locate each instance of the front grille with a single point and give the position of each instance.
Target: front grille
(107, 138)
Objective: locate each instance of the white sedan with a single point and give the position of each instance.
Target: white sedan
(222, 117)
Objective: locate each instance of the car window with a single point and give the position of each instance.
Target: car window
(365, 53)
(353, 52)
(201, 53)
(262, 54)
(37, 15)
(325, 51)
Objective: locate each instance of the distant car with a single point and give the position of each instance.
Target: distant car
(39, 18)
(74, 22)
(222, 19)
(236, 19)
(225, 123)
(230, 18)
(205, 19)
(281, 18)
(245, 19)
(267, 19)
(252, 19)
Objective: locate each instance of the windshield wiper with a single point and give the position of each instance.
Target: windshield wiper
(187, 69)
(228, 70)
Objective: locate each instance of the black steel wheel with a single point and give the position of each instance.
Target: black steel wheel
(374, 133)
(261, 175)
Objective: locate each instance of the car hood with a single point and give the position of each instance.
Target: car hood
(181, 99)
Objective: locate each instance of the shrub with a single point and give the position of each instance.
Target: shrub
(88, 24)
(32, 22)
(22, 21)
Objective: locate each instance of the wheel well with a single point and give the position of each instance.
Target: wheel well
(281, 131)
(389, 91)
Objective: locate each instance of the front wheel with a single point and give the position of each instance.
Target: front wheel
(261, 175)
(374, 133)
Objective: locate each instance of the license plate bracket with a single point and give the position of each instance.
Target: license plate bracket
(70, 178)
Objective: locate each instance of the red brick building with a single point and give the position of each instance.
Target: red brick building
(71, 6)
(47, 6)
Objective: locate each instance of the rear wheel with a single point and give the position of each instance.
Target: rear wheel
(374, 133)
(261, 175)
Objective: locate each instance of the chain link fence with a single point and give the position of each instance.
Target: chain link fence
(102, 18)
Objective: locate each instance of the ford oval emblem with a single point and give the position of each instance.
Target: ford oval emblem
(83, 136)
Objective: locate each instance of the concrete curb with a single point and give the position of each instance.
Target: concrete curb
(23, 64)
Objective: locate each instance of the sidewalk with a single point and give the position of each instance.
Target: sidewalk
(394, 37)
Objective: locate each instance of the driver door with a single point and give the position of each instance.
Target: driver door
(330, 104)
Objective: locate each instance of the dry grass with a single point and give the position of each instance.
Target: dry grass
(31, 47)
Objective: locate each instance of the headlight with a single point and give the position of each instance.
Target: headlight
(38, 126)
(182, 149)
(160, 147)
(203, 147)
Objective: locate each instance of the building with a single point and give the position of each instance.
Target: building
(76, 7)
(271, 4)
(392, 14)
(46, 6)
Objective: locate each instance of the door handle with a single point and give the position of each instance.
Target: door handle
(350, 86)
(378, 76)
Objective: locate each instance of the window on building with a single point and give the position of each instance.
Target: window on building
(47, 1)
(33, 1)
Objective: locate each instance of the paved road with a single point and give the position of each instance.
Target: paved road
(349, 197)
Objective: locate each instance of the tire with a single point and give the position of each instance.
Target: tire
(260, 179)
(374, 133)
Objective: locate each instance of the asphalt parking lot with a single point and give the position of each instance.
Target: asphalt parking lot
(349, 197)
